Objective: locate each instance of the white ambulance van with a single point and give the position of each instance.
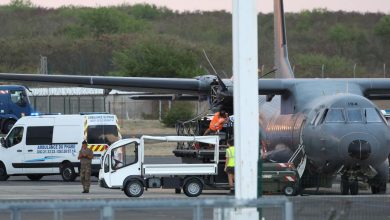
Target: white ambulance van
(49, 144)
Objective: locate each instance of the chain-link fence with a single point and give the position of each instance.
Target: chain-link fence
(120, 105)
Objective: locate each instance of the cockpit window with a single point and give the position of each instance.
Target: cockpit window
(315, 118)
(372, 115)
(335, 115)
(354, 115)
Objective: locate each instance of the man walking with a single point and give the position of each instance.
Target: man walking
(229, 164)
(85, 157)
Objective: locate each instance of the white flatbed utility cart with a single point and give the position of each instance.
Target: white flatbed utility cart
(123, 167)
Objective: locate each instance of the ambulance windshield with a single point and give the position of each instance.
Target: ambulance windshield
(102, 134)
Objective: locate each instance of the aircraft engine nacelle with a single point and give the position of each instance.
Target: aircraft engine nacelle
(284, 131)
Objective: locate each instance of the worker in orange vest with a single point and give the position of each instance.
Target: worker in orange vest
(220, 118)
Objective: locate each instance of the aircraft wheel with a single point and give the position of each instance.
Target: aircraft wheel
(193, 187)
(3, 173)
(344, 185)
(134, 188)
(379, 188)
(354, 187)
(34, 177)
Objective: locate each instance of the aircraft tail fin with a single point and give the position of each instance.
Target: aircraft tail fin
(282, 63)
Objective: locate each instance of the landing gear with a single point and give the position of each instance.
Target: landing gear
(378, 187)
(349, 186)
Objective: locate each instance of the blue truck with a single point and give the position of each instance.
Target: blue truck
(14, 103)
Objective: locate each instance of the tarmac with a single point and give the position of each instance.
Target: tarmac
(311, 204)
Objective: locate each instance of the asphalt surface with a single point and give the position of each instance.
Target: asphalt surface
(312, 204)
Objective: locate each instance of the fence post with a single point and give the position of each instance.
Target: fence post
(288, 211)
(107, 213)
(15, 214)
(198, 213)
(58, 215)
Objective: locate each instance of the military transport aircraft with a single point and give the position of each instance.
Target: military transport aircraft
(333, 121)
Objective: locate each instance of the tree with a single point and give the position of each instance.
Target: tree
(158, 57)
(382, 29)
(341, 35)
(110, 21)
(178, 112)
(21, 4)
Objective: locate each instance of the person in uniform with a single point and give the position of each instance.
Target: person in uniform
(85, 157)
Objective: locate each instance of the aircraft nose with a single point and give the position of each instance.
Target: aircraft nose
(359, 149)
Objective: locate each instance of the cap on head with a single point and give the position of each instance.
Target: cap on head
(84, 142)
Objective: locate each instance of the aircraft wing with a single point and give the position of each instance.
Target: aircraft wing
(275, 86)
(146, 84)
(170, 97)
(372, 88)
(375, 89)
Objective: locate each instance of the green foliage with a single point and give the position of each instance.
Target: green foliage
(145, 40)
(178, 112)
(74, 31)
(146, 11)
(21, 4)
(382, 29)
(340, 33)
(158, 57)
(310, 65)
(110, 21)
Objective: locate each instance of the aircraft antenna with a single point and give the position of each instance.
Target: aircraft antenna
(272, 71)
(221, 83)
(208, 60)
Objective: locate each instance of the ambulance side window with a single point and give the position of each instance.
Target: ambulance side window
(15, 136)
(124, 155)
(39, 135)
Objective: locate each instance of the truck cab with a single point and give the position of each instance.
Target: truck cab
(14, 104)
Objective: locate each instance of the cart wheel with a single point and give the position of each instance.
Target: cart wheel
(134, 188)
(193, 187)
(289, 191)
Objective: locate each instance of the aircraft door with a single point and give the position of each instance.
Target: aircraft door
(14, 150)
(124, 162)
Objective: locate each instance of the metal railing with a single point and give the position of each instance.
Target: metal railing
(107, 208)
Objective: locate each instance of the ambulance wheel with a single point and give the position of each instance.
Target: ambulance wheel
(67, 172)
(134, 188)
(290, 191)
(34, 177)
(7, 126)
(193, 187)
(3, 173)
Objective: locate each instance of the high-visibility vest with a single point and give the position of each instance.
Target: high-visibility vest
(216, 123)
(230, 156)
